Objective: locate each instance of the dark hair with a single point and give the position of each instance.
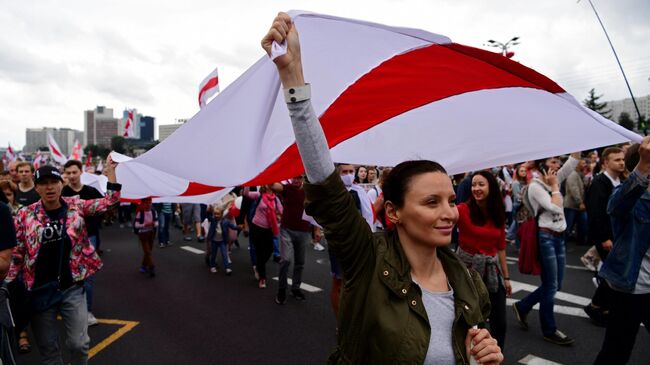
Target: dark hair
(517, 177)
(611, 150)
(495, 208)
(397, 182)
(632, 157)
(71, 163)
(356, 175)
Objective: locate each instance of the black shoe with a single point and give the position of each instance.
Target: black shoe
(521, 318)
(597, 315)
(281, 298)
(276, 259)
(152, 272)
(297, 293)
(559, 338)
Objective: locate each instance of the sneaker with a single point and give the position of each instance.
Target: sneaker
(262, 284)
(319, 247)
(521, 318)
(213, 270)
(200, 239)
(167, 244)
(92, 321)
(143, 270)
(297, 293)
(281, 298)
(228, 271)
(559, 338)
(161, 245)
(187, 238)
(257, 275)
(597, 315)
(121, 225)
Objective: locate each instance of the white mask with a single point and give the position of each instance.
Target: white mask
(348, 180)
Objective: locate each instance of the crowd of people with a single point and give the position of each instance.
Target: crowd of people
(417, 258)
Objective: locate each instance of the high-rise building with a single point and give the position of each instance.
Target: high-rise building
(147, 128)
(36, 138)
(626, 106)
(99, 126)
(166, 130)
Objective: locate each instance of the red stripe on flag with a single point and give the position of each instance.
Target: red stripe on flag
(213, 82)
(406, 82)
(195, 188)
(55, 151)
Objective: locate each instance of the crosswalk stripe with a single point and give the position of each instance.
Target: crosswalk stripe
(305, 287)
(514, 260)
(192, 250)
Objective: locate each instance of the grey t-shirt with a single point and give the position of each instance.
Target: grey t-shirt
(643, 282)
(440, 310)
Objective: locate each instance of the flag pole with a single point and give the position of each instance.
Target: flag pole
(638, 113)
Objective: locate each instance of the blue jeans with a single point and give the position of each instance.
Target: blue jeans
(219, 245)
(75, 321)
(164, 220)
(276, 246)
(90, 281)
(574, 216)
(552, 257)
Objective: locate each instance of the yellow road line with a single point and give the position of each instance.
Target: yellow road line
(126, 327)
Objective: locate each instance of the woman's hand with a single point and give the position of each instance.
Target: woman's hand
(109, 169)
(289, 65)
(508, 287)
(485, 349)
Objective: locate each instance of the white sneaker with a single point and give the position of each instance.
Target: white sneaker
(213, 270)
(319, 247)
(92, 321)
(228, 271)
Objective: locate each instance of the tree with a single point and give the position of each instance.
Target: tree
(97, 151)
(118, 144)
(641, 123)
(625, 121)
(592, 103)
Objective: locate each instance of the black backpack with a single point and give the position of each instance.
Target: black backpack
(139, 216)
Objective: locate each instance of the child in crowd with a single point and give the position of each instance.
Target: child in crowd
(145, 226)
(218, 238)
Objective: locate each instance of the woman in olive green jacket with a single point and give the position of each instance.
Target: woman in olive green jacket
(407, 298)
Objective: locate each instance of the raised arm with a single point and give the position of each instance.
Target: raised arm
(627, 194)
(310, 138)
(101, 205)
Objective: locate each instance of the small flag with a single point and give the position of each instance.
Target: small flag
(128, 126)
(38, 160)
(76, 151)
(10, 155)
(55, 151)
(208, 87)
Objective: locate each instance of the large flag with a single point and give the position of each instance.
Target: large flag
(383, 95)
(128, 125)
(55, 151)
(208, 87)
(77, 152)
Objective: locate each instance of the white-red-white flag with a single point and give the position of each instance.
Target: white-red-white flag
(208, 87)
(100, 166)
(38, 160)
(77, 152)
(128, 125)
(10, 155)
(55, 151)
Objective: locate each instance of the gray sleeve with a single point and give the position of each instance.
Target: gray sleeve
(311, 141)
(566, 169)
(543, 198)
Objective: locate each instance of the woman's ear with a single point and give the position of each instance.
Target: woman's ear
(391, 212)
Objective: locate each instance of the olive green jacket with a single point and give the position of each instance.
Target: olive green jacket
(382, 319)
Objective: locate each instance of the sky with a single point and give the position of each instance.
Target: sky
(58, 59)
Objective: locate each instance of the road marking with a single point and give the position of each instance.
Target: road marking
(534, 360)
(126, 327)
(193, 250)
(306, 287)
(514, 260)
(571, 298)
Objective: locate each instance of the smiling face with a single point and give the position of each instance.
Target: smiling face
(522, 171)
(429, 211)
(480, 188)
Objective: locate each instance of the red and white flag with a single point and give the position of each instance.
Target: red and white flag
(208, 87)
(128, 125)
(383, 95)
(55, 151)
(38, 160)
(77, 152)
(10, 155)
(100, 166)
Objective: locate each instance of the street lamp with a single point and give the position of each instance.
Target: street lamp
(503, 47)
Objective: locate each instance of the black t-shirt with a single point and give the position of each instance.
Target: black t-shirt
(86, 193)
(26, 198)
(7, 228)
(49, 255)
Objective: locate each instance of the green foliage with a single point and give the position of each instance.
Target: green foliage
(592, 103)
(118, 144)
(97, 151)
(625, 121)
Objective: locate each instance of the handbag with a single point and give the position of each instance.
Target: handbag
(49, 294)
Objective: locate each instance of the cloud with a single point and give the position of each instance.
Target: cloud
(20, 65)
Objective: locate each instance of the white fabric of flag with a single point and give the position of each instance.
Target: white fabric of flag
(387, 95)
(55, 151)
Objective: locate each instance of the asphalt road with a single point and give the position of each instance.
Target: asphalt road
(190, 316)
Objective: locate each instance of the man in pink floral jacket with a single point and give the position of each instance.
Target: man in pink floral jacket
(53, 246)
